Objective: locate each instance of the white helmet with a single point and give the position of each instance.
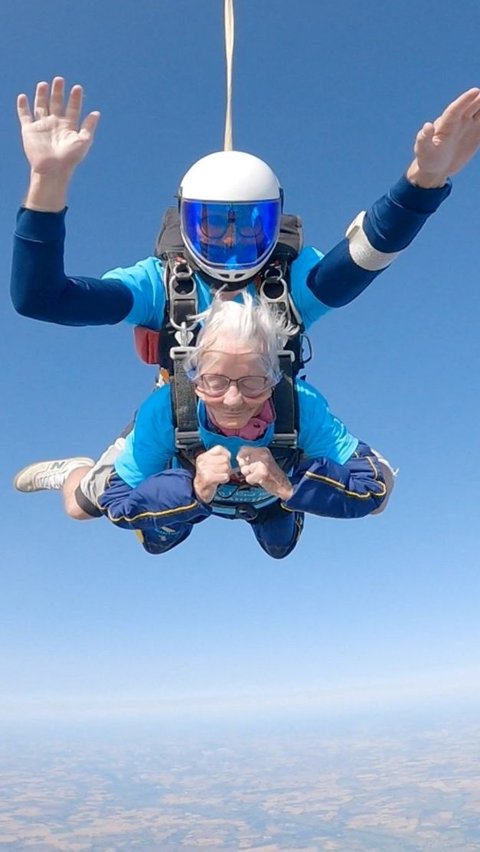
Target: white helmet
(230, 208)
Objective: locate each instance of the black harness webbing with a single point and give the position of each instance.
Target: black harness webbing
(184, 405)
(177, 336)
(181, 289)
(184, 409)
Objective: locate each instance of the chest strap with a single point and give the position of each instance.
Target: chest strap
(284, 445)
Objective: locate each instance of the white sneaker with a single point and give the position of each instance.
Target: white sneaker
(48, 475)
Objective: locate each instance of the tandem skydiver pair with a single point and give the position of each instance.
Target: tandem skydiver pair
(230, 208)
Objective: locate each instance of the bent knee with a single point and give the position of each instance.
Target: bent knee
(74, 511)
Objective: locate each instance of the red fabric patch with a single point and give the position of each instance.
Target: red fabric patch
(146, 343)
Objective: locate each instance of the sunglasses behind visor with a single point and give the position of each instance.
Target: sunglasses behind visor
(229, 234)
(244, 221)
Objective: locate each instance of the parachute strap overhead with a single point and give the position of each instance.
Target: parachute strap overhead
(229, 43)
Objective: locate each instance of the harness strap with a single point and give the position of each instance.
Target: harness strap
(182, 295)
(286, 404)
(229, 42)
(184, 405)
(181, 308)
(184, 408)
(181, 289)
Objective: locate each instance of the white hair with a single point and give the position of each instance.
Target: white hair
(255, 323)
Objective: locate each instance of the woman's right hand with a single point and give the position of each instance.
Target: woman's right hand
(212, 469)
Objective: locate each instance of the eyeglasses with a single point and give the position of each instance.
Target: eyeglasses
(250, 386)
(215, 225)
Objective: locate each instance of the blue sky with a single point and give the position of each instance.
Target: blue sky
(331, 94)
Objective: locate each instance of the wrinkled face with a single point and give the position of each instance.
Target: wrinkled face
(231, 404)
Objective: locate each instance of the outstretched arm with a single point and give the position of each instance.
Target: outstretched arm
(41, 290)
(373, 241)
(376, 237)
(54, 141)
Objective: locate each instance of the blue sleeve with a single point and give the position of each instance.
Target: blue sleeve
(320, 432)
(324, 487)
(337, 476)
(144, 280)
(150, 446)
(164, 498)
(389, 226)
(145, 494)
(41, 290)
(306, 299)
(395, 219)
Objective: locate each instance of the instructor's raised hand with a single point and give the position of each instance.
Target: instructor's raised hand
(444, 146)
(55, 141)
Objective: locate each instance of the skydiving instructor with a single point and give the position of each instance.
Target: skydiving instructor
(218, 195)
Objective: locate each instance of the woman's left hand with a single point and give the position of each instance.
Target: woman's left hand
(259, 467)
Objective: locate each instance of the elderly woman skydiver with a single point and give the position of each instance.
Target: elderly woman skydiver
(233, 469)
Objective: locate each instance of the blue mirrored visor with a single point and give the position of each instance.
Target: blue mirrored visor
(230, 235)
